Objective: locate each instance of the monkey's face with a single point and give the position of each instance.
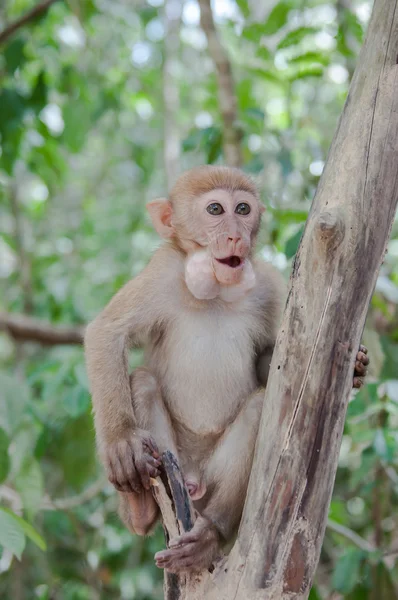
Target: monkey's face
(216, 210)
(226, 223)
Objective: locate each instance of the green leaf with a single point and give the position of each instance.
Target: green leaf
(277, 18)
(255, 113)
(14, 55)
(310, 57)
(38, 98)
(296, 36)
(289, 216)
(347, 572)
(264, 53)
(244, 8)
(28, 529)
(77, 119)
(12, 536)
(314, 595)
(293, 243)
(307, 72)
(4, 457)
(29, 483)
(14, 397)
(74, 449)
(76, 401)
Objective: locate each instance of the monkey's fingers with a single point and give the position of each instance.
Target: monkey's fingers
(118, 477)
(177, 559)
(363, 349)
(358, 382)
(360, 369)
(187, 538)
(147, 467)
(362, 358)
(150, 445)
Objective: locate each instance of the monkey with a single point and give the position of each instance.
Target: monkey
(206, 311)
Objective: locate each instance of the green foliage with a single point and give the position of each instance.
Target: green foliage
(82, 128)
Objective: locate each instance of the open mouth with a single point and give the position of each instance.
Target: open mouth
(230, 261)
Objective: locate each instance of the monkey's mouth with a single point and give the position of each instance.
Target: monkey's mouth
(231, 261)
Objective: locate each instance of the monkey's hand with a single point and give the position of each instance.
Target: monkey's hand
(131, 461)
(360, 369)
(192, 551)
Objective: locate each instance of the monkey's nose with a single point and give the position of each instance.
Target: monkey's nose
(235, 240)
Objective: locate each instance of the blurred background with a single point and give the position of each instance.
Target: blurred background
(102, 104)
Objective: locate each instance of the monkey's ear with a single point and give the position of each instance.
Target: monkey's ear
(160, 212)
(262, 208)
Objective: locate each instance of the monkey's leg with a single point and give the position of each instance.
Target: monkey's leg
(139, 511)
(226, 476)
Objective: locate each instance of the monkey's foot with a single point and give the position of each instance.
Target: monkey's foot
(192, 551)
(196, 489)
(360, 369)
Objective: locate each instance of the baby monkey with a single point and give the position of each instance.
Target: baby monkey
(207, 313)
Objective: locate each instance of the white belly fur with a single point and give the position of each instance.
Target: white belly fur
(200, 388)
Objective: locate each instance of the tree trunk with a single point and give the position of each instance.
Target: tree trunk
(334, 274)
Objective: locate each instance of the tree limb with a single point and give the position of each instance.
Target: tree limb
(29, 329)
(226, 88)
(31, 15)
(171, 99)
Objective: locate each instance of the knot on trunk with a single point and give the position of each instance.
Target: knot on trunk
(330, 229)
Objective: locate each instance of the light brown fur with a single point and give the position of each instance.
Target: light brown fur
(206, 361)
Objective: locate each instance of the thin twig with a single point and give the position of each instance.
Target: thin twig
(31, 15)
(226, 88)
(57, 504)
(350, 535)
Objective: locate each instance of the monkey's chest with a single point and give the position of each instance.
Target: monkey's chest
(208, 371)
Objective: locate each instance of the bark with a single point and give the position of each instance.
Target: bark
(171, 98)
(29, 329)
(333, 278)
(226, 89)
(30, 16)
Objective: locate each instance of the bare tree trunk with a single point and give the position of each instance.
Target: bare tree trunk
(226, 88)
(334, 274)
(171, 97)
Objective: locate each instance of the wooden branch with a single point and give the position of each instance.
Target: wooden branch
(178, 516)
(226, 88)
(29, 329)
(332, 282)
(31, 15)
(171, 96)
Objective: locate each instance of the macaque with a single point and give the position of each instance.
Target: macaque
(207, 313)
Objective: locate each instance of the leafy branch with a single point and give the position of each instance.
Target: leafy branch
(33, 14)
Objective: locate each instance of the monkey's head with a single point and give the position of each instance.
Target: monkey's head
(213, 214)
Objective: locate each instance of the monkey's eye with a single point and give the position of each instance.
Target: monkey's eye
(242, 209)
(215, 209)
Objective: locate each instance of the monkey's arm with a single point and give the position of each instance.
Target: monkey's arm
(126, 321)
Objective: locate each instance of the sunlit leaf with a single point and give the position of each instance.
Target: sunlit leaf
(277, 18)
(28, 529)
(12, 535)
(296, 36)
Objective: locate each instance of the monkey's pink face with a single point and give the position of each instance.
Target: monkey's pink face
(226, 225)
